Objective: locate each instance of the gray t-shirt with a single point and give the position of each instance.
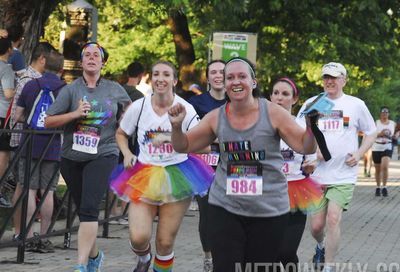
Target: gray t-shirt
(101, 121)
(256, 152)
(7, 81)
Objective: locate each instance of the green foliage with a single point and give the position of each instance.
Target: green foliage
(137, 30)
(55, 24)
(295, 38)
(129, 30)
(133, 30)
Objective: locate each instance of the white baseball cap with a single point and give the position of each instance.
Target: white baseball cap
(334, 69)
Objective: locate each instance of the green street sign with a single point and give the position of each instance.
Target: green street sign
(227, 45)
(232, 49)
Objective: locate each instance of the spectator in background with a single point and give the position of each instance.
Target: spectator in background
(396, 136)
(195, 88)
(134, 72)
(7, 92)
(16, 59)
(50, 164)
(367, 163)
(34, 70)
(144, 85)
(3, 33)
(382, 150)
(367, 158)
(185, 94)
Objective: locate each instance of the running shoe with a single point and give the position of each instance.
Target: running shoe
(367, 174)
(123, 221)
(193, 206)
(319, 258)
(16, 238)
(95, 264)
(80, 268)
(378, 192)
(45, 246)
(33, 244)
(384, 192)
(143, 266)
(113, 222)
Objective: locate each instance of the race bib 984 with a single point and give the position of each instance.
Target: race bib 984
(244, 186)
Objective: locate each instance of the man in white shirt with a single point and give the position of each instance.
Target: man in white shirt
(339, 175)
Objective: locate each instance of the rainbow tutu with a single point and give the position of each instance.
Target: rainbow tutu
(304, 195)
(158, 185)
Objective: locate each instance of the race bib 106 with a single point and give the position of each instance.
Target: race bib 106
(210, 158)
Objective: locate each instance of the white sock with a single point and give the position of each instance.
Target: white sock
(166, 258)
(321, 245)
(144, 258)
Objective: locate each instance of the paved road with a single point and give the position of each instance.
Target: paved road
(370, 239)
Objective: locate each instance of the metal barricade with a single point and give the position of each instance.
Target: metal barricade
(27, 145)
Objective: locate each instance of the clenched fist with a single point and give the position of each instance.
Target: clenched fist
(176, 115)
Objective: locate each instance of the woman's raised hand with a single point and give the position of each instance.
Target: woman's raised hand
(176, 115)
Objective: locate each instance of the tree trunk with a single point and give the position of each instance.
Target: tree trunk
(178, 24)
(32, 14)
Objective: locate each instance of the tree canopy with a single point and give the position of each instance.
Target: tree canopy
(295, 38)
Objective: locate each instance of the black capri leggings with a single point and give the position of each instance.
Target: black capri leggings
(245, 242)
(288, 250)
(204, 222)
(88, 182)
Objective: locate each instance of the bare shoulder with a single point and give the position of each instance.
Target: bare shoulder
(213, 114)
(277, 114)
(211, 119)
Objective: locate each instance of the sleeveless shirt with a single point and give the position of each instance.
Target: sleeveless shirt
(258, 145)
